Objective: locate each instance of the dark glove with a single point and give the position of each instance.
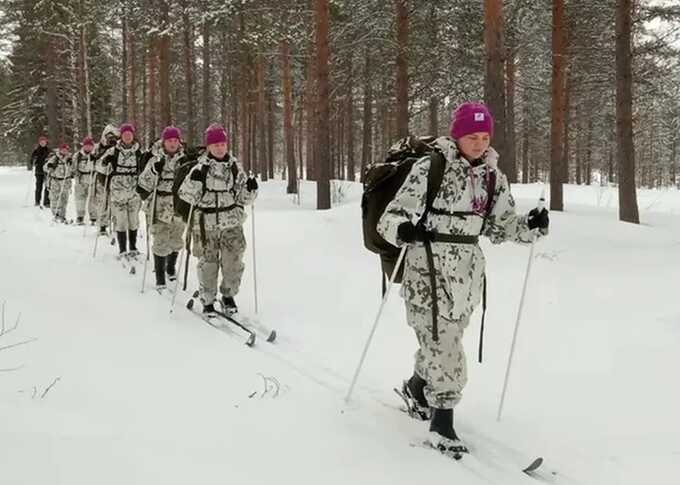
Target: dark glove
(538, 219)
(199, 174)
(251, 184)
(106, 161)
(409, 233)
(158, 165)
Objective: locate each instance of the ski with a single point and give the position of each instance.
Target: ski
(212, 319)
(269, 335)
(533, 466)
(410, 409)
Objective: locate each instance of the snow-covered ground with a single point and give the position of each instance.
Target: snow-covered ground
(146, 397)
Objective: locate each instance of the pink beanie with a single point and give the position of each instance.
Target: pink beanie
(215, 134)
(471, 118)
(88, 141)
(170, 132)
(127, 127)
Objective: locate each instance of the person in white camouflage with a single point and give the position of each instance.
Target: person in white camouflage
(83, 170)
(59, 170)
(108, 140)
(460, 212)
(123, 164)
(219, 189)
(166, 227)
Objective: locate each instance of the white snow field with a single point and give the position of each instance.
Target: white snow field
(146, 397)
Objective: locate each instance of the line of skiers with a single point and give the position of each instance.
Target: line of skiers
(449, 198)
(115, 180)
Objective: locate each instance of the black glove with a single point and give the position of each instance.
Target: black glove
(158, 165)
(251, 184)
(409, 233)
(106, 161)
(538, 219)
(199, 174)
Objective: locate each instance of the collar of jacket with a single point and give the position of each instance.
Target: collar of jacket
(450, 151)
(132, 148)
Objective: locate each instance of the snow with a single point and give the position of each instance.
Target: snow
(149, 397)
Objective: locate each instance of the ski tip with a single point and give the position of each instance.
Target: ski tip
(272, 336)
(195, 294)
(251, 340)
(534, 465)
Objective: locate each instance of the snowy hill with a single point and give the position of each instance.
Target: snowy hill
(146, 397)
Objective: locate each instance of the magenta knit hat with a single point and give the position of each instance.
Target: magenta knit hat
(170, 132)
(88, 141)
(215, 134)
(471, 118)
(127, 127)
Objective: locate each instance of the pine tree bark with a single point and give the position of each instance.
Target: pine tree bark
(525, 140)
(367, 126)
(494, 81)
(288, 137)
(510, 135)
(261, 119)
(557, 107)
(402, 83)
(628, 207)
(207, 102)
(323, 193)
(351, 152)
(124, 86)
(164, 74)
(187, 35)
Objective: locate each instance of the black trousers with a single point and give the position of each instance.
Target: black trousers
(41, 191)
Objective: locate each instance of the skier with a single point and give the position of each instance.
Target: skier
(166, 227)
(83, 166)
(122, 165)
(446, 241)
(38, 159)
(59, 170)
(219, 189)
(100, 191)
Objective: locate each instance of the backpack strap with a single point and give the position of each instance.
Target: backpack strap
(435, 176)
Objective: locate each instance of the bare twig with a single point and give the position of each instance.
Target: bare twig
(47, 389)
(18, 344)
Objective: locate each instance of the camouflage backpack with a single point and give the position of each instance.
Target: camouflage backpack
(383, 180)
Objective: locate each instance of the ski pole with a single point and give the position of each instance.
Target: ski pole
(541, 204)
(252, 210)
(187, 246)
(88, 201)
(375, 323)
(153, 215)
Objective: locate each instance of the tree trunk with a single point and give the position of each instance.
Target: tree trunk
(288, 137)
(351, 152)
(323, 193)
(525, 140)
(557, 106)
(86, 81)
(311, 93)
(132, 76)
(207, 102)
(164, 74)
(189, 73)
(124, 83)
(367, 127)
(402, 67)
(494, 81)
(578, 165)
(588, 171)
(628, 207)
(433, 112)
(511, 153)
(152, 123)
(270, 130)
(261, 119)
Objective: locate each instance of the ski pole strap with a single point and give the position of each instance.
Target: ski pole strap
(433, 285)
(481, 328)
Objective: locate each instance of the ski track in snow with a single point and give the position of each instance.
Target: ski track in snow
(142, 396)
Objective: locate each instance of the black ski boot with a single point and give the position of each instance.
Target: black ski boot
(159, 269)
(170, 264)
(209, 311)
(229, 305)
(122, 243)
(132, 241)
(412, 391)
(102, 231)
(442, 435)
(79, 221)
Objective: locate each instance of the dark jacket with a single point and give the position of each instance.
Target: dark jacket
(38, 159)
